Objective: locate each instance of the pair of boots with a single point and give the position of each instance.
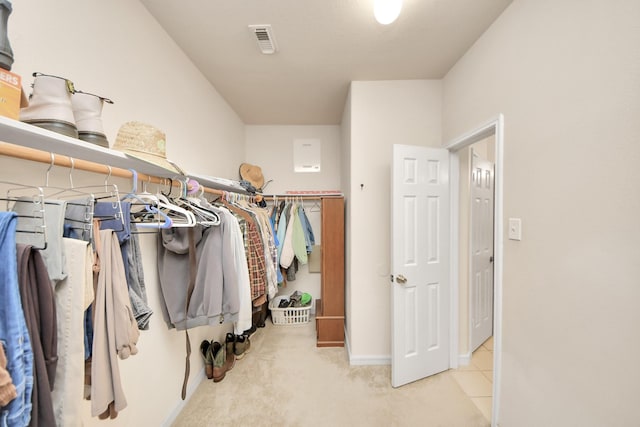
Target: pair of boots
(221, 358)
(218, 359)
(56, 105)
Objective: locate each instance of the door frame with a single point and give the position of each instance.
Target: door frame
(495, 127)
(470, 277)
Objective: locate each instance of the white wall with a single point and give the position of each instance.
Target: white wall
(116, 49)
(383, 113)
(566, 76)
(119, 51)
(271, 148)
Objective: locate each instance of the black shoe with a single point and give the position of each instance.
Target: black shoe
(250, 331)
(242, 346)
(283, 303)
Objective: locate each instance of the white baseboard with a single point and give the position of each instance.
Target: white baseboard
(364, 360)
(193, 384)
(369, 360)
(464, 359)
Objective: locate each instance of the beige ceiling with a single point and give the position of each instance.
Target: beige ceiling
(323, 45)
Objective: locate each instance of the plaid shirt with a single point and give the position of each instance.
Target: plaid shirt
(256, 262)
(255, 253)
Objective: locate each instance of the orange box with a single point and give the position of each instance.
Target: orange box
(11, 96)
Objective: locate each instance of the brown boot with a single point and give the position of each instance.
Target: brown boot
(207, 355)
(219, 352)
(231, 357)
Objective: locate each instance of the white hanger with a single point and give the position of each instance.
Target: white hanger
(150, 204)
(180, 217)
(203, 215)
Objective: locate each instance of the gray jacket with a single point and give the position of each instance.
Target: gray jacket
(215, 297)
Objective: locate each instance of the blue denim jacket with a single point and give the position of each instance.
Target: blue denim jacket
(309, 238)
(14, 335)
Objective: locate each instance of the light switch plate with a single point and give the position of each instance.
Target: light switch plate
(515, 229)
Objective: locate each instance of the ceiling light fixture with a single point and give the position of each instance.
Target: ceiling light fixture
(386, 11)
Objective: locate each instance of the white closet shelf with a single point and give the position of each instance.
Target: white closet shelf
(26, 135)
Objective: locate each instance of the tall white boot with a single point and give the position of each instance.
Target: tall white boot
(50, 105)
(6, 53)
(87, 111)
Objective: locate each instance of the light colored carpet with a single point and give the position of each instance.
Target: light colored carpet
(286, 380)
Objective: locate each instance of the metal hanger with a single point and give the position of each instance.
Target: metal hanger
(150, 216)
(35, 223)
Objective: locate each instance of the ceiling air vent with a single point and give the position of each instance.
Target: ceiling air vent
(265, 39)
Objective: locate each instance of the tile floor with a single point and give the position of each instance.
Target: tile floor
(476, 379)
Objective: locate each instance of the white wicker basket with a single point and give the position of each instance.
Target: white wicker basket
(288, 315)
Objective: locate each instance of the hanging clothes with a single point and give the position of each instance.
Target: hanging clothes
(298, 237)
(294, 240)
(13, 328)
(261, 219)
(309, 237)
(77, 218)
(77, 225)
(281, 229)
(8, 390)
(239, 256)
(215, 295)
(115, 329)
(295, 237)
(254, 250)
(73, 296)
(117, 217)
(54, 253)
(276, 242)
(135, 279)
(287, 255)
(39, 308)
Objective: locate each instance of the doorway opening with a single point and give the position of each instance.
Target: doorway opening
(493, 131)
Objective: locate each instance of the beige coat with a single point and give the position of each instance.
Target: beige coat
(115, 329)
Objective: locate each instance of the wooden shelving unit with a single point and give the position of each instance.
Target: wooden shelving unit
(330, 306)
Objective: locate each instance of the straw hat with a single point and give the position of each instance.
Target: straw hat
(252, 174)
(144, 142)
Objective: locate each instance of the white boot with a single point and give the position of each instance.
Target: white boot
(6, 53)
(87, 111)
(50, 105)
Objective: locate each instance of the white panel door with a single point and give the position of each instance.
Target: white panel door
(481, 284)
(420, 263)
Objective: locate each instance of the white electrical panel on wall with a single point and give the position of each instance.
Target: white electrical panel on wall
(306, 155)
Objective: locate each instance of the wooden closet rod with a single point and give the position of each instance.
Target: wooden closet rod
(32, 154)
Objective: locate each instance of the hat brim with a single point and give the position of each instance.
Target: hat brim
(154, 160)
(245, 175)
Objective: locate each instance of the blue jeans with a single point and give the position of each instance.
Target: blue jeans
(131, 257)
(14, 335)
(135, 280)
